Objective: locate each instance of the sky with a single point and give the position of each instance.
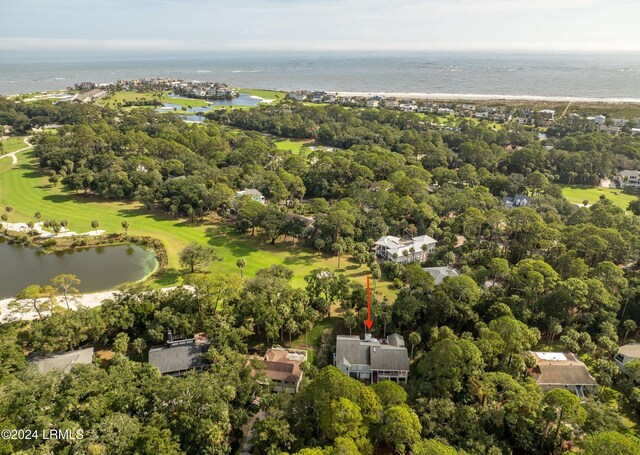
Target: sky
(307, 25)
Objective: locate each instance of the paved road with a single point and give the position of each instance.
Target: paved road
(14, 158)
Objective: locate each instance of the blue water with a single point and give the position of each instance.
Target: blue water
(528, 74)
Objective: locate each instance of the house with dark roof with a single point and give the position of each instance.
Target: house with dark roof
(176, 357)
(372, 360)
(562, 370)
(440, 273)
(282, 368)
(62, 361)
(519, 200)
(626, 354)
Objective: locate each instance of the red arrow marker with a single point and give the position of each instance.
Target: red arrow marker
(368, 322)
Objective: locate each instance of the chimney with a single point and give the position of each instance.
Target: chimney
(169, 337)
(367, 337)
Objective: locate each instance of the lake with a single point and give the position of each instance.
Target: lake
(243, 100)
(98, 268)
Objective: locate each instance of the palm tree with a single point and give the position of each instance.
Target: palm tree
(8, 209)
(241, 263)
(95, 224)
(338, 249)
(125, 226)
(139, 345)
(414, 339)
(37, 216)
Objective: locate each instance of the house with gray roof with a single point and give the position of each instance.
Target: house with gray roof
(253, 194)
(403, 250)
(626, 354)
(63, 361)
(440, 273)
(627, 178)
(176, 357)
(519, 200)
(372, 360)
(562, 370)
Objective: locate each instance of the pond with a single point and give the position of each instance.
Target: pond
(243, 100)
(98, 268)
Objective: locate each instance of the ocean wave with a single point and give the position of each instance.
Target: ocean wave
(203, 71)
(245, 71)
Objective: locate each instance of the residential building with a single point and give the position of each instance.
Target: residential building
(440, 273)
(519, 200)
(611, 129)
(405, 250)
(282, 368)
(176, 357)
(562, 370)
(306, 221)
(62, 361)
(547, 114)
(445, 111)
(628, 178)
(90, 96)
(599, 119)
(297, 96)
(372, 360)
(635, 131)
(391, 103)
(374, 101)
(253, 194)
(626, 354)
(84, 86)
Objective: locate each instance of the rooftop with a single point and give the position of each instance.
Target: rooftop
(560, 369)
(63, 361)
(178, 356)
(440, 273)
(630, 350)
(389, 355)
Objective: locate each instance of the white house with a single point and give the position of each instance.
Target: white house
(297, 96)
(599, 119)
(628, 178)
(626, 354)
(405, 250)
(253, 193)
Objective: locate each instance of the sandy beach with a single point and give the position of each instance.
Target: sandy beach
(89, 300)
(474, 97)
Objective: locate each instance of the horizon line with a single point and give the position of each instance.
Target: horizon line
(152, 45)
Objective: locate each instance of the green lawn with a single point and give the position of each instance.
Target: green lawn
(120, 97)
(577, 194)
(266, 94)
(25, 187)
(12, 144)
(297, 146)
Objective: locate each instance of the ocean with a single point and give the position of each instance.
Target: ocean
(597, 76)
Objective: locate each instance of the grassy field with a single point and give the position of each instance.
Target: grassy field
(297, 146)
(25, 187)
(12, 144)
(266, 94)
(120, 97)
(577, 194)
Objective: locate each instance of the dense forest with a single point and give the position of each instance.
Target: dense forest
(548, 275)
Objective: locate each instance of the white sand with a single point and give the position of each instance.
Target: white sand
(467, 96)
(42, 232)
(91, 300)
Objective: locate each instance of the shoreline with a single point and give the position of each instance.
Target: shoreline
(482, 97)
